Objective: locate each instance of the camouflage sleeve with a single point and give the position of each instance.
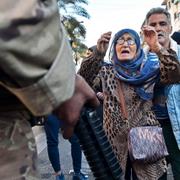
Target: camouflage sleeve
(36, 59)
(169, 66)
(90, 67)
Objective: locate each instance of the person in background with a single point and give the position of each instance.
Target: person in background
(176, 37)
(52, 127)
(99, 110)
(90, 50)
(127, 86)
(167, 98)
(37, 77)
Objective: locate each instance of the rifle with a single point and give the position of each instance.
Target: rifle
(96, 147)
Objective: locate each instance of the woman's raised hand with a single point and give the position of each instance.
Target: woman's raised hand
(103, 42)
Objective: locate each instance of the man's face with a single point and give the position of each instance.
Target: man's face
(163, 28)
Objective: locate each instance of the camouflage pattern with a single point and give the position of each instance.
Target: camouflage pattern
(36, 58)
(37, 67)
(29, 29)
(17, 147)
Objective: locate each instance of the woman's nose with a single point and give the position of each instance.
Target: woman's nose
(125, 43)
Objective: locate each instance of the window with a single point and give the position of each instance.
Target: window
(169, 4)
(177, 15)
(176, 1)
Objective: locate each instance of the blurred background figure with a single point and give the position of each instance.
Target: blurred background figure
(176, 36)
(52, 128)
(90, 50)
(87, 54)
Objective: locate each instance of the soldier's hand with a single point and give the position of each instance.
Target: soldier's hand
(69, 111)
(151, 38)
(103, 42)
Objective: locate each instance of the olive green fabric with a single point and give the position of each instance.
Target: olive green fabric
(17, 147)
(36, 59)
(37, 68)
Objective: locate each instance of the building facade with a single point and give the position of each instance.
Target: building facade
(173, 6)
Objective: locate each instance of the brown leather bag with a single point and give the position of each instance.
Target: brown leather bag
(145, 144)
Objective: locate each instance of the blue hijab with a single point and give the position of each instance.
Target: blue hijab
(142, 71)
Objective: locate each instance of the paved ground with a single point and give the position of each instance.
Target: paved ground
(65, 156)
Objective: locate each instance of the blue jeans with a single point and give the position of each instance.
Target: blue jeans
(52, 126)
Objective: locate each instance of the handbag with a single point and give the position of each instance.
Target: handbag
(145, 144)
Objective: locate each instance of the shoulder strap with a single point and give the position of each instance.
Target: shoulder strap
(122, 100)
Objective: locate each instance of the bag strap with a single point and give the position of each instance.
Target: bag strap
(122, 100)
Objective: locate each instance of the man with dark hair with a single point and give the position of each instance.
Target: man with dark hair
(167, 98)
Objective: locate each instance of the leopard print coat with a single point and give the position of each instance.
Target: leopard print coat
(115, 124)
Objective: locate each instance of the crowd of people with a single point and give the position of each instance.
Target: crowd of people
(139, 86)
(142, 80)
